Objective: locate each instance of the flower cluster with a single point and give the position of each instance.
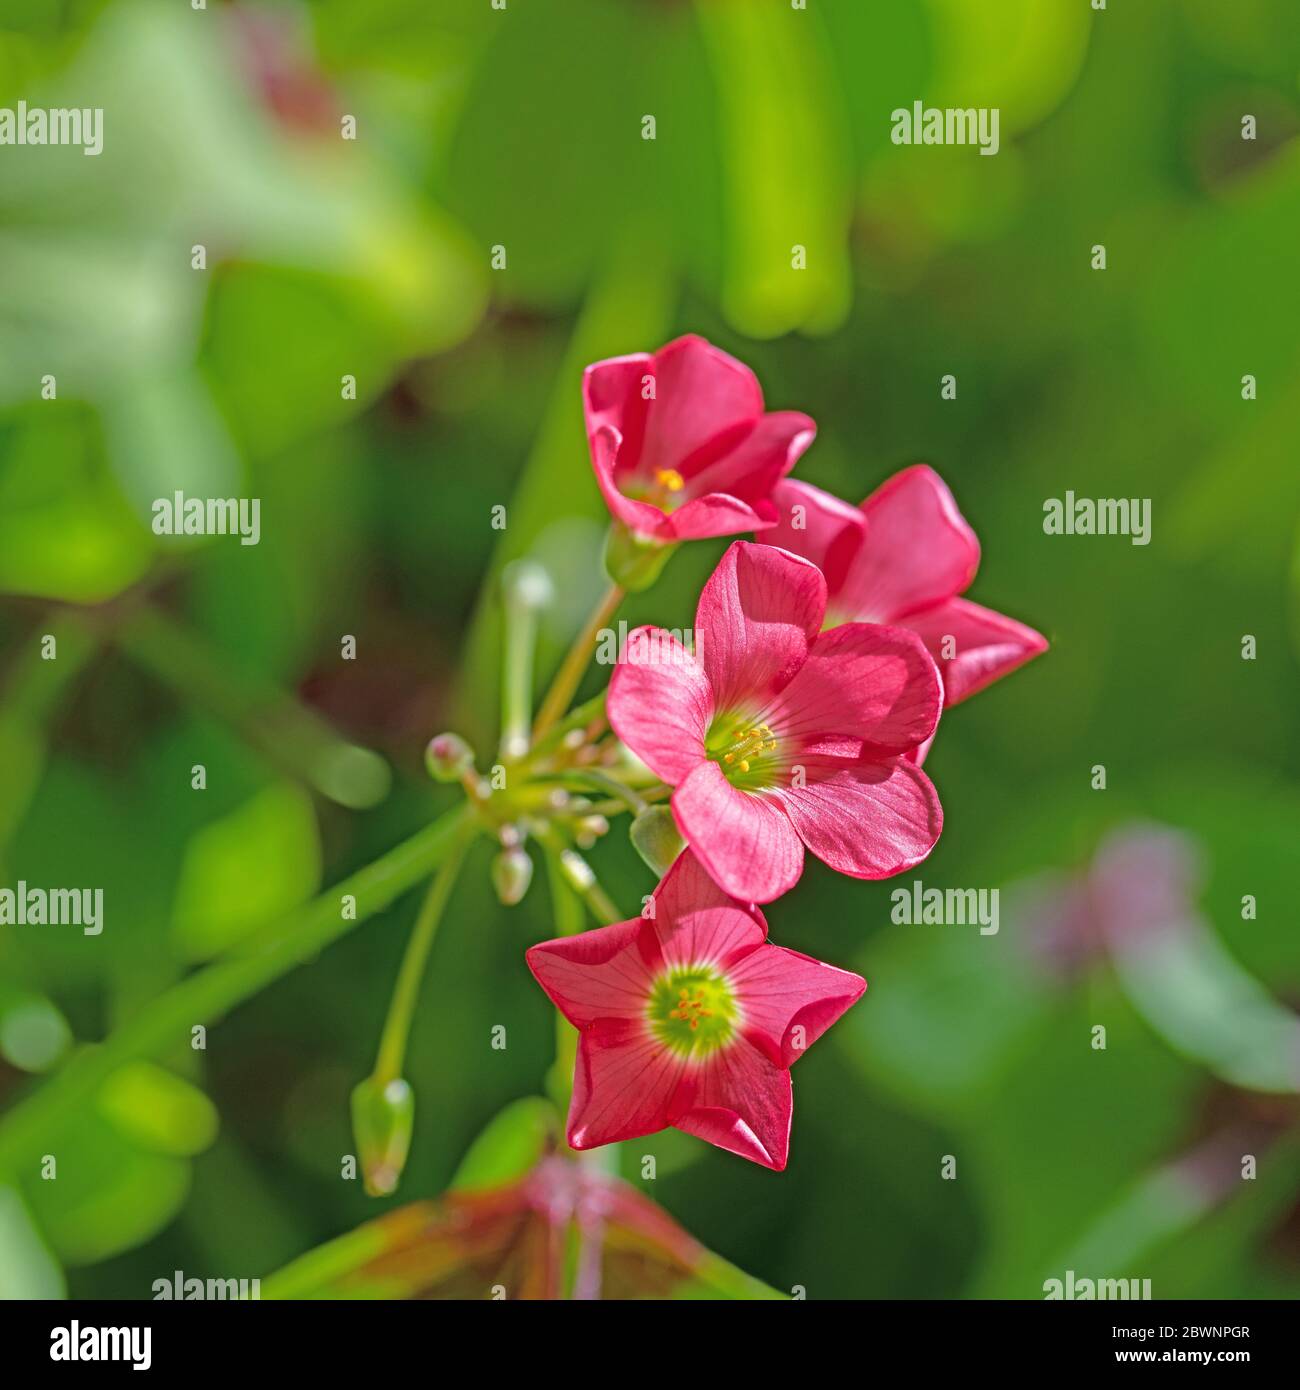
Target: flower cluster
(823, 656)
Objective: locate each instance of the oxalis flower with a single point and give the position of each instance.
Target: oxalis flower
(777, 735)
(682, 446)
(903, 557)
(689, 1019)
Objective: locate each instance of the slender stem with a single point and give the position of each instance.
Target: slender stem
(525, 589)
(588, 717)
(35, 685)
(401, 1009)
(210, 993)
(287, 734)
(602, 781)
(569, 676)
(580, 877)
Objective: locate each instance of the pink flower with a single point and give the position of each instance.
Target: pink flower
(776, 735)
(903, 557)
(700, 457)
(689, 1018)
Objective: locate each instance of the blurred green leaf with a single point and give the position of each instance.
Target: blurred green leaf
(509, 1146)
(159, 1110)
(245, 870)
(27, 1268)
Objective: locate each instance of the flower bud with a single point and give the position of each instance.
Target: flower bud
(382, 1117)
(655, 838)
(633, 562)
(448, 757)
(527, 585)
(589, 829)
(512, 872)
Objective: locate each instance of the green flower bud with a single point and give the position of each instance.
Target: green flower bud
(382, 1117)
(656, 839)
(448, 757)
(512, 872)
(633, 562)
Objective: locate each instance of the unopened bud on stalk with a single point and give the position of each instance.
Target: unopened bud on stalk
(634, 562)
(577, 871)
(589, 829)
(382, 1116)
(656, 839)
(448, 757)
(512, 872)
(527, 585)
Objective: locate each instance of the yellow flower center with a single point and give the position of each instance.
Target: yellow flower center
(746, 752)
(693, 1011)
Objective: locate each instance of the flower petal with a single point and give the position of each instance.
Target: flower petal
(599, 974)
(740, 1100)
(919, 549)
(697, 923)
(789, 1000)
(702, 518)
(762, 454)
(613, 399)
(700, 391)
(988, 645)
(660, 703)
(623, 1085)
(643, 518)
(821, 528)
(868, 820)
(862, 682)
(756, 618)
(743, 839)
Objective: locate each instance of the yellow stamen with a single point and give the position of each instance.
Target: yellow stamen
(670, 478)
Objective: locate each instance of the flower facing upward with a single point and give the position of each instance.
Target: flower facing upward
(903, 557)
(689, 1018)
(681, 445)
(777, 735)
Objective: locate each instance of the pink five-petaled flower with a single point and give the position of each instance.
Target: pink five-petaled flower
(689, 1018)
(777, 735)
(903, 557)
(681, 445)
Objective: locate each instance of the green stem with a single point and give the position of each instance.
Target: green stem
(290, 736)
(210, 993)
(591, 778)
(397, 1026)
(580, 877)
(572, 669)
(525, 589)
(592, 712)
(35, 685)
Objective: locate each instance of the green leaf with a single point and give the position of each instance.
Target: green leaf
(508, 1146)
(245, 870)
(27, 1268)
(159, 1110)
(785, 166)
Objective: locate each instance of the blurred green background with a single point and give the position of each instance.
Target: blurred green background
(522, 129)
